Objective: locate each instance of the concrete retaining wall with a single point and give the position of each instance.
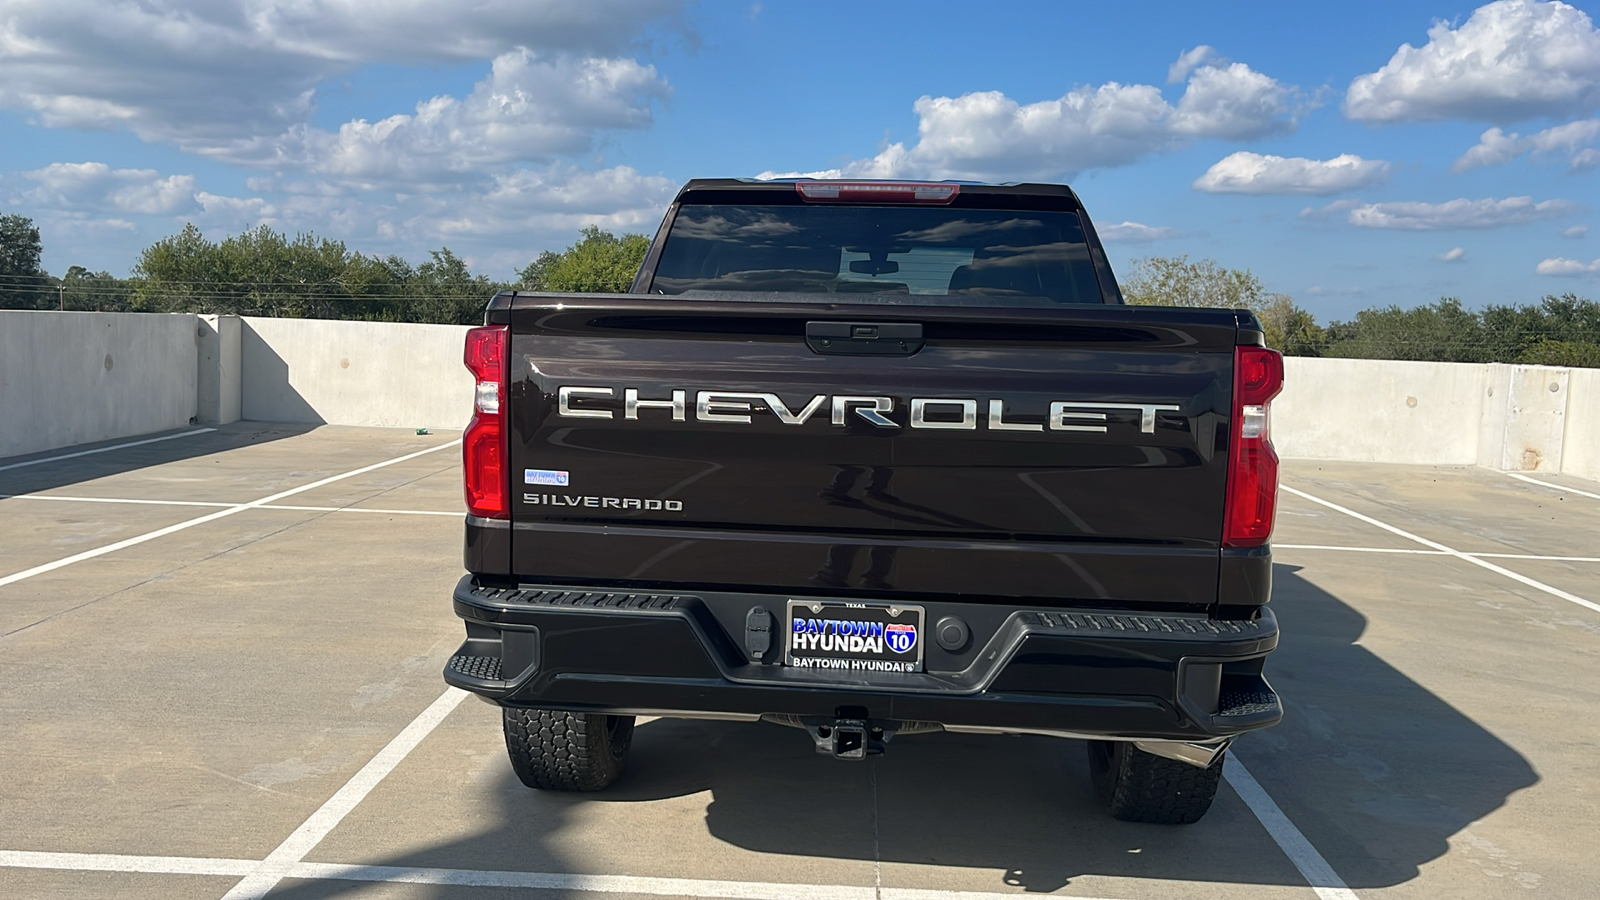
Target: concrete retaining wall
(354, 373)
(1379, 411)
(219, 390)
(1581, 445)
(1513, 418)
(1524, 421)
(72, 378)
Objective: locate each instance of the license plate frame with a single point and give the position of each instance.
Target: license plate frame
(813, 644)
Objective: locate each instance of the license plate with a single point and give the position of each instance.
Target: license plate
(854, 638)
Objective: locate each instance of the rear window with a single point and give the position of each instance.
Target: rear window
(880, 254)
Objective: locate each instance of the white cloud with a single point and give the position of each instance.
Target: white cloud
(1576, 231)
(1512, 60)
(1254, 173)
(253, 210)
(1460, 213)
(1236, 103)
(528, 108)
(227, 76)
(1135, 233)
(1568, 267)
(1566, 138)
(97, 186)
(82, 225)
(1188, 61)
(561, 198)
(1454, 254)
(987, 135)
(504, 218)
(1494, 148)
(1571, 141)
(1331, 210)
(441, 29)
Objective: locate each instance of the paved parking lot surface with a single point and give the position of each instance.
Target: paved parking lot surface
(220, 653)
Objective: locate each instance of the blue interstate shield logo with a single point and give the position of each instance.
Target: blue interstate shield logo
(900, 638)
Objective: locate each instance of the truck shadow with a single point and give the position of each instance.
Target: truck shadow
(1374, 769)
(22, 475)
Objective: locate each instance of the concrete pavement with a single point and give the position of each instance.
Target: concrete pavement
(179, 710)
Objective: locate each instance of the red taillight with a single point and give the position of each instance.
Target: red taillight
(877, 191)
(483, 447)
(1253, 464)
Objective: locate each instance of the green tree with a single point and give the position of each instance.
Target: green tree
(600, 262)
(279, 276)
(444, 290)
(1291, 329)
(83, 290)
(1175, 281)
(1572, 314)
(1513, 332)
(1438, 332)
(265, 272)
(23, 285)
(184, 273)
(1562, 353)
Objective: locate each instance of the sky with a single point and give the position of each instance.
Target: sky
(1350, 155)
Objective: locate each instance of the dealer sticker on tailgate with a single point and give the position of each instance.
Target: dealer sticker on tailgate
(854, 637)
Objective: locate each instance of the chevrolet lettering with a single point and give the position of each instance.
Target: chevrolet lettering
(941, 413)
(869, 460)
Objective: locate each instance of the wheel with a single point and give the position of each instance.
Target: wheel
(562, 751)
(1136, 786)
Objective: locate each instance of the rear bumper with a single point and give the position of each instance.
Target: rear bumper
(1073, 673)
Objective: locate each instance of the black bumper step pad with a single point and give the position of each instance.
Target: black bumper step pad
(1246, 703)
(484, 667)
(579, 599)
(1181, 627)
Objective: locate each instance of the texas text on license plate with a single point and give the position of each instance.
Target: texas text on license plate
(855, 638)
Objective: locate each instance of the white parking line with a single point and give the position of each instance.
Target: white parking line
(1409, 552)
(1404, 550)
(1531, 556)
(304, 839)
(1317, 872)
(600, 884)
(211, 517)
(1450, 551)
(458, 514)
(354, 509)
(119, 862)
(135, 502)
(936, 894)
(154, 440)
(1553, 486)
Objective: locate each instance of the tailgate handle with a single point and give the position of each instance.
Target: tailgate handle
(864, 338)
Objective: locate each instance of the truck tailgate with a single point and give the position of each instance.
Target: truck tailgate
(1073, 456)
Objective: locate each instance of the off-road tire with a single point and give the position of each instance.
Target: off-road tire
(1136, 786)
(562, 751)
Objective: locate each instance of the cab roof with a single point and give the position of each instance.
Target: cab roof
(967, 194)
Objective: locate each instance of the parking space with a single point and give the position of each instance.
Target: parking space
(221, 656)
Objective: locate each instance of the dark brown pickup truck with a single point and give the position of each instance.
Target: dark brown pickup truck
(871, 459)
